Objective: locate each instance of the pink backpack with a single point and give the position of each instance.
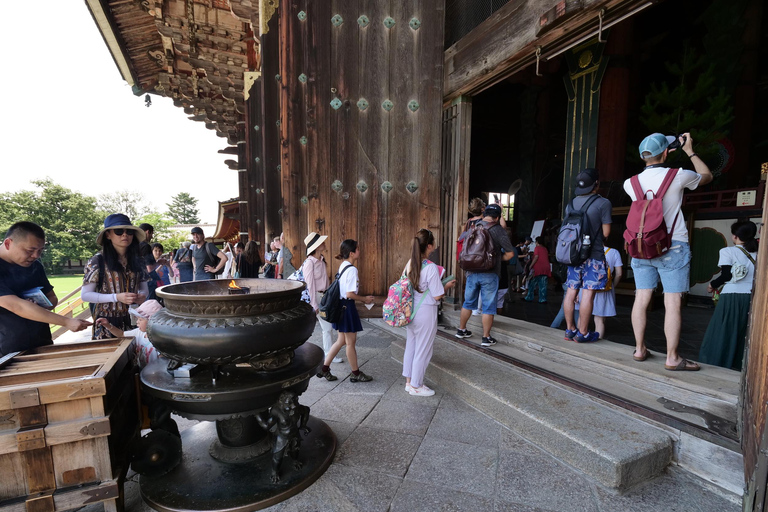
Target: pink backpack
(646, 236)
(398, 310)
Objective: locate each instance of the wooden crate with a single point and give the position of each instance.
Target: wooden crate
(67, 414)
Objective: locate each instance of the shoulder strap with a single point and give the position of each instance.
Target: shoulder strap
(754, 263)
(588, 203)
(339, 274)
(671, 173)
(214, 256)
(639, 194)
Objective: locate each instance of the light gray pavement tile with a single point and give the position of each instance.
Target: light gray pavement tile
(531, 477)
(458, 466)
(383, 378)
(183, 423)
(367, 490)
(341, 429)
(311, 395)
(397, 392)
(404, 417)
(464, 424)
(505, 506)
(378, 450)
(344, 407)
(374, 337)
(674, 491)
(323, 495)
(415, 496)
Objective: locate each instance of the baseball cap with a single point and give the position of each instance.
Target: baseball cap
(585, 181)
(492, 210)
(146, 310)
(197, 229)
(655, 144)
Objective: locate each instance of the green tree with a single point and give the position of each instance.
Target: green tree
(129, 202)
(162, 234)
(70, 220)
(693, 102)
(183, 209)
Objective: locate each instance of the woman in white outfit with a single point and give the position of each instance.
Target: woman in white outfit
(316, 277)
(420, 333)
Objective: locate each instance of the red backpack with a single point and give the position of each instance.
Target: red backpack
(646, 236)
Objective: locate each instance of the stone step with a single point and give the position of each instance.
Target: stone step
(710, 395)
(616, 450)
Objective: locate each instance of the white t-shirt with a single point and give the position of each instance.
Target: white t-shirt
(613, 259)
(429, 279)
(650, 181)
(734, 256)
(349, 282)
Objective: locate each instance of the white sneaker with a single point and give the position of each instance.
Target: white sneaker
(476, 312)
(337, 359)
(422, 391)
(408, 388)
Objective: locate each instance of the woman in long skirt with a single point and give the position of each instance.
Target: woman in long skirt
(420, 333)
(349, 323)
(724, 340)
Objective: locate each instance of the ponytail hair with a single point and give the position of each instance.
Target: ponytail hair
(347, 247)
(423, 238)
(746, 230)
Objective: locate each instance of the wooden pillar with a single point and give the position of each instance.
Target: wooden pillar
(242, 187)
(255, 164)
(614, 105)
(586, 65)
(270, 131)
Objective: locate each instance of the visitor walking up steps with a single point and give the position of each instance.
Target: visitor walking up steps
(673, 266)
(586, 224)
(481, 259)
(349, 323)
(424, 277)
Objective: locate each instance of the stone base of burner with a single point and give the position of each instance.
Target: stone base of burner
(202, 483)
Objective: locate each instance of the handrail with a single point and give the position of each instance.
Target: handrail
(66, 307)
(70, 294)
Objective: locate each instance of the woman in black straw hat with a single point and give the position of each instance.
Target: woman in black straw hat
(116, 277)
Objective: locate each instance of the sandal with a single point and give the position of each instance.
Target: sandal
(360, 377)
(683, 366)
(641, 358)
(327, 376)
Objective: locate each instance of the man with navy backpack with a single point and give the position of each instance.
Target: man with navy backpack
(591, 274)
(674, 265)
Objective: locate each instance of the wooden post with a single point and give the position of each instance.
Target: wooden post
(270, 132)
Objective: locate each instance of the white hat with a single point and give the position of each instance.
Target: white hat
(313, 241)
(147, 309)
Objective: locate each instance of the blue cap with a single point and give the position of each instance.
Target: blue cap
(655, 144)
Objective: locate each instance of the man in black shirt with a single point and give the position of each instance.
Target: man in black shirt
(488, 281)
(24, 324)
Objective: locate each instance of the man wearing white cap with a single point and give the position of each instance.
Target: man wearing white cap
(316, 277)
(673, 268)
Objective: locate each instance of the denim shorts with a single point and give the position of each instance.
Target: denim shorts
(674, 269)
(590, 275)
(488, 284)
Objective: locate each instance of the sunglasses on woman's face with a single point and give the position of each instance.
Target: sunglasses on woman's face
(120, 232)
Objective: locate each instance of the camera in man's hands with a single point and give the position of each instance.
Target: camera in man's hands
(677, 143)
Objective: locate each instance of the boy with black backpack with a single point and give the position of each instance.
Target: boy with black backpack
(669, 258)
(587, 223)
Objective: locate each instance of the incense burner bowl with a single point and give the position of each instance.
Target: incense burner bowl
(203, 323)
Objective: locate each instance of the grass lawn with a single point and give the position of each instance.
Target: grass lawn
(63, 285)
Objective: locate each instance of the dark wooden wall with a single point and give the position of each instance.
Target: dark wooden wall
(334, 161)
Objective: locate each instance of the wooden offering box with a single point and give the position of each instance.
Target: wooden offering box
(67, 414)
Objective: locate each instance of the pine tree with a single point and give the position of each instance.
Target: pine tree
(693, 103)
(183, 209)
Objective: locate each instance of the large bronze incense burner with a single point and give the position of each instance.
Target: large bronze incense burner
(234, 357)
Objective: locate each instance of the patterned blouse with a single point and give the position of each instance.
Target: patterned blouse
(113, 282)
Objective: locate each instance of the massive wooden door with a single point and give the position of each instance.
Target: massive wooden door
(457, 129)
(754, 400)
(361, 104)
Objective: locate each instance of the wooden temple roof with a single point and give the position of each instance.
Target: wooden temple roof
(197, 52)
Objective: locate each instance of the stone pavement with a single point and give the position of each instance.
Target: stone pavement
(402, 453)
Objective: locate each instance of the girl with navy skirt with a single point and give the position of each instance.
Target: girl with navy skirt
(349, 324)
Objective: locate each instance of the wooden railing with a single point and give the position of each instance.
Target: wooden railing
(67, 307)
(721, 200)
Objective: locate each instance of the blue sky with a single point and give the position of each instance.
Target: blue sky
(70, 116)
